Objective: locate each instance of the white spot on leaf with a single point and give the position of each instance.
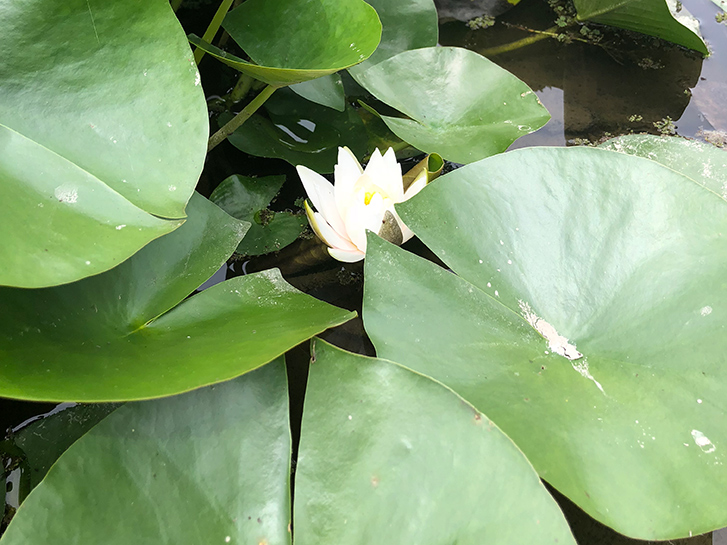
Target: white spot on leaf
(66, 193)
(706, 311)
(557, 343)
(703, 442)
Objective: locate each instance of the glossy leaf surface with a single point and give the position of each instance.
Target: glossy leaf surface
(210, 466)
(618, 256)
(450, 111)
(390, 456)
(247, 199)
(298, 40)
(111, 138)
(113, 336)
(406, 24)
(666, 19)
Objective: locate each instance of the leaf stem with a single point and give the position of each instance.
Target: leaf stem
(240, 118)
(537, 36)
(215, 25)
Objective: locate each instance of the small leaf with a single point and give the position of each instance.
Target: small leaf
(666, 19)
(449, 111)
(286, 43)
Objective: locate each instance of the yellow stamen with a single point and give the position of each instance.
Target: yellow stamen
(368, 197)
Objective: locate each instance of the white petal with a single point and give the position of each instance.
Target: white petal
(346, 172)
(360, 217)
(385, 172)
(325, 232)
(320, 192)
(328, 235)
(348, 257)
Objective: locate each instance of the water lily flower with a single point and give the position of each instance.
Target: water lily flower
(360, 199)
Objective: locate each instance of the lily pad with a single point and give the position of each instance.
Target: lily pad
(211, 466)
(703, 163)
(406, 24)
(390, 456)
(449, 111)
(587, 321)
(298, 40)
(666, 19)
(113, 337)
(247, 199)
(110, 135)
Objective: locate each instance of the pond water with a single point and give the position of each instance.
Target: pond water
(612, 88)
(591, 91)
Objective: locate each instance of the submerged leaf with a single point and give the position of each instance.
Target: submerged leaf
(247, 199)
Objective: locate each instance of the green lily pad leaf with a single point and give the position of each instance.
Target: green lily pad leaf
(111, 135)
(44, 440)
(301, 133)
(587, 321)
(666, 19)
(450, 111)
(210, 466)
(113, 337)
(390, 456)
(247, 199)
(703, 163)
(287, 43)
(406, 24)
(327, 91)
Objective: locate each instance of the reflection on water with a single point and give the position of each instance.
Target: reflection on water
(627, 84)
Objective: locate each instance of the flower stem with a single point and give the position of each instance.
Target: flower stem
(240, 118)
(215, 25)
(537, 36)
